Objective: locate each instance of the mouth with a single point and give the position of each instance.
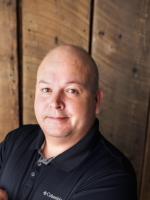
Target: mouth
(59, 118)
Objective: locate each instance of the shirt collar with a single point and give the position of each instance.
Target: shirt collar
(77, 154)
(38, 139)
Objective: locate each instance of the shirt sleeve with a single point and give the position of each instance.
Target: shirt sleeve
(2, 151)
(5, 148)
(110, 187)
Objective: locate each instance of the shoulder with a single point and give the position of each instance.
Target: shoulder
(19, 139)
(106, 162)
(23, 131)
(115, 159)
(20, 136)
(110, 159)
(109, 174)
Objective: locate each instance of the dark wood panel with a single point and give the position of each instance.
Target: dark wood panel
(121, 48)
(145, 186)
(8, 68)
(45, 25)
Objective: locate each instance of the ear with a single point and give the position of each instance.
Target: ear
(99, 99)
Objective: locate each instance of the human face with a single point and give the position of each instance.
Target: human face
(65, 106)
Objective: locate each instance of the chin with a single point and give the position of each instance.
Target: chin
(57, 132)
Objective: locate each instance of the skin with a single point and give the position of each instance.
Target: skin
(66, 100)
(3, 195)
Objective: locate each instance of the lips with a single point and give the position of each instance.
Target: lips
(59, 118)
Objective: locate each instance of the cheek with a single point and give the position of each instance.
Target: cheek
(88, 107)
(39, 105)
(78, 108)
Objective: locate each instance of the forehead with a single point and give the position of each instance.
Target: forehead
(64, 66)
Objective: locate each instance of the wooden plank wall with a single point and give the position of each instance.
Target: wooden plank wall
(117, 35)
(9, 115)
(145, 183)
(45, 25)
(118, 47)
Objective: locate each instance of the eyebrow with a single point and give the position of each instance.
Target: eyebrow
(69, 82)
(42, 81)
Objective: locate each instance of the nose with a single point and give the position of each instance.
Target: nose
(56, 101)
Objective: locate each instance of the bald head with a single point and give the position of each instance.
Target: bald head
(74, 56)
(67, 98)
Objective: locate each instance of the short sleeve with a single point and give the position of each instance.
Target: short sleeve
(6, 147)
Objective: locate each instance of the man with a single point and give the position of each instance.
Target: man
(65, 157)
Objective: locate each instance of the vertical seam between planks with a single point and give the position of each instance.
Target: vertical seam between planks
(92, 3)
(20, 58)
(147, 136)
(145, 150)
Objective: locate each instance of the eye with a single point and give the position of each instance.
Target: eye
(72, 91)
(45, 90)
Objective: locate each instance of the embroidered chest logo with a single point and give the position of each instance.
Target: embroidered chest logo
(50, 195)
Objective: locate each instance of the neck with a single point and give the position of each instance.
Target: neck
(57, 145)
(54, 146)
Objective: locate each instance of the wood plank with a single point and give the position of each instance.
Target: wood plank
(145, 185)
(45, 25)
(121, 43)
(8, 65)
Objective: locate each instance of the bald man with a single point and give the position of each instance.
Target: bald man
(65, 157)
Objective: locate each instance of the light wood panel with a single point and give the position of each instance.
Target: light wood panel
(45, 25)
(8, 68)
(121, 49)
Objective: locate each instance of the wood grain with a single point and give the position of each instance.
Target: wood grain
(121, 48)
(8, 68)
(47, 24)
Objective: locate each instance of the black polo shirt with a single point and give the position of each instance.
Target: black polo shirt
(91, 170)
